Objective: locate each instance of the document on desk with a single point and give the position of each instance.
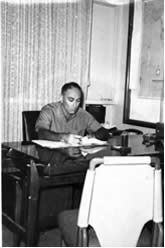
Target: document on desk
(91, 150)
(86, 141)
(89, 141)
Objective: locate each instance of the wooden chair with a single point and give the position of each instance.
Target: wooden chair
(25, 187)
(120, 195)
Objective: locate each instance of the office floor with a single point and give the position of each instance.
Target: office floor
(49, 238)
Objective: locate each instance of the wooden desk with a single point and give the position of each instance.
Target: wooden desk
(48, 182)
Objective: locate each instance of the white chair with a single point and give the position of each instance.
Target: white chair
(118, 198)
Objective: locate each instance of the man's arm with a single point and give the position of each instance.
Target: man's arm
(95, 128)
(44, 132)
(50, 135)
(66, 137)
(102, 134)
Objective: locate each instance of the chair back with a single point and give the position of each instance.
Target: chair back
(119, 197)
(97, 110)
(29, 119)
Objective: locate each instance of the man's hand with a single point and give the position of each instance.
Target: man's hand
(72, 139)
(74, 152)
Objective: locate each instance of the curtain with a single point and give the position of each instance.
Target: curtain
(43, 45)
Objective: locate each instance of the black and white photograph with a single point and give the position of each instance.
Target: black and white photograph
(82, 123)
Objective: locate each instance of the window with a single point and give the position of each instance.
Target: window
(145, 64)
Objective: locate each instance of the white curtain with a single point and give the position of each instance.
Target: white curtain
(44, 45)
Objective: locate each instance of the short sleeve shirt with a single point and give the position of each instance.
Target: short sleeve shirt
(53, 118)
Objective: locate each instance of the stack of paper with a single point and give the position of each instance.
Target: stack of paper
(86, 141)
(51, 144)
(91, 141)
(91, 150)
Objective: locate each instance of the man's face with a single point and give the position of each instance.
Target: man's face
(71, 100)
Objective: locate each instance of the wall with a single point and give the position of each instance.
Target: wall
(109, 80)
(102, 53)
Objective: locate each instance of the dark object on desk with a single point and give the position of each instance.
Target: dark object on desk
(123, 150)
(102, 134)
(98, 112)
(132, 130)
(101, 220)
(149, 139)
(156, 138)
(124, 139)
(28, 123)
(115, 132)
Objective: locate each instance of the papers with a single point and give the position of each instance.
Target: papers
(86, 141)
(51, 144)
(91, 150)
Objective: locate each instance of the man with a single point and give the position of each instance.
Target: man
(66, 120)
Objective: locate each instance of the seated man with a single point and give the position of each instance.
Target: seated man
(66, 120)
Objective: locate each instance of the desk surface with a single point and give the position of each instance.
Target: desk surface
(60, 169)
(65, 159)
